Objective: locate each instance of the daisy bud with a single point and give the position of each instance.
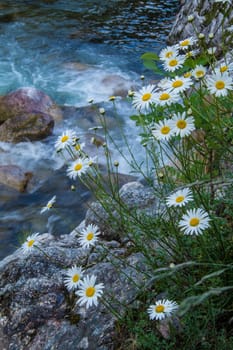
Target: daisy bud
(211, 35)
(130, 93)
(91, 100)
(142, 77)
(161, 175)
(190, 18)
(201, 36)
(102, 111)
(73, 188)
(116, 163)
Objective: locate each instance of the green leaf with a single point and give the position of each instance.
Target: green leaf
(150, 56)
(152, 65)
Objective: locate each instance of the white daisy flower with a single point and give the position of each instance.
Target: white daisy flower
(166, 97)
(31, 243)
(49, 205)
(73, 277)
(224, 67)
(89, 236)
(77, 168)
(179, 198)
(163, 130)
(65, 140)
(169, 52)
(199, 72)
(163, 83)
(219, 84)
(174, 63)
(186, 43)
(144, 97)
(178, 84)
(89, 291)
(194, 222)
(162, 309)
(183, 125)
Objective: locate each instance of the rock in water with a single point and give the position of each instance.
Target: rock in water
(27, 100)
(14, 177)
(26, 127)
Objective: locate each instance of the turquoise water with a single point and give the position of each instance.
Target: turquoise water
(68, 49)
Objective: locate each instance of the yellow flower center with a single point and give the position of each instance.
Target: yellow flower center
(90, 236)
(64, 138)
(90, 291)
(49, 205)
(169, 54)
(220, 85)
(159, 308)
(177, 83)
(223, 69)
(165, 130)
(194, 222)
(75, 278)
(78, 167)
(185, 42)
(146, 96)
(187, 74)
(200, 73)
(164, 96)
(173, 63)
(31, 242)
(179, 199)
(181, 124)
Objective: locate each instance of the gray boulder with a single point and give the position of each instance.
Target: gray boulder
(208, 17)
(14, 177)
(37, 312)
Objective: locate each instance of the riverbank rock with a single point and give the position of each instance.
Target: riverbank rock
(14, 177)
(135, 197)
(26, 127)
(37, 312)
(27, 100)
(208, 17)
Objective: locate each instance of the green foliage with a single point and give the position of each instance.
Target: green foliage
(192, 267)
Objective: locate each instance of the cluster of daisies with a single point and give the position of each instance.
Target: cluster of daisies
(85, 288)
(193, 222)
(87, 237)
(172, 90)
(69, 145)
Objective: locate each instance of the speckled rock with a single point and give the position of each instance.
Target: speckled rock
(208, 17)
(134, 196)
(36, 310)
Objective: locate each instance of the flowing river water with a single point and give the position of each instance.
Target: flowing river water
(73, 51)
